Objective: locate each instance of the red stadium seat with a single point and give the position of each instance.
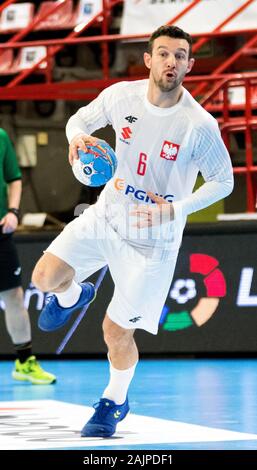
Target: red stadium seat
(29, 56)
(6, 61)
(86, 10)
(236, 95)
(60, 19)
(16, 17)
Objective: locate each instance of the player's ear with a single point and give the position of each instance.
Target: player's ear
(147, 59)
(190, 65)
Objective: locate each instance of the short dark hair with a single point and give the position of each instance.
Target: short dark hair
(172, 32)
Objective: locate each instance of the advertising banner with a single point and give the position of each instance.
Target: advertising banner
(211, 306)
(144, 16)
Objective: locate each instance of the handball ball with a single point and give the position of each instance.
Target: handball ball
(97, 166)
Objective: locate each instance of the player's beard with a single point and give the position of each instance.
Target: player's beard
(165, 86)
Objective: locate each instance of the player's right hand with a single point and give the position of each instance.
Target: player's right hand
(80, 141)
(9, 223)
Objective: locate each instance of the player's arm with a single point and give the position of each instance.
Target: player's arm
(12, 175)
(10, 221)
(87, 120)
(80, 141)
(213, 161)
(82, 124)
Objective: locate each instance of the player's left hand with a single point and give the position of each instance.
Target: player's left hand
(9, 223)
(152, 215)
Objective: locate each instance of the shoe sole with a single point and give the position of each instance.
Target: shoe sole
(24, 378)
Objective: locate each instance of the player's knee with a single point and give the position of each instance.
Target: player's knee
(18, 295)
(41, 279)
(13, 298)
(116, 337)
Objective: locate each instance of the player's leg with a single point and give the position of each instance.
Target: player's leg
(16, 316)
(52, 274)
(113, 406)
(72, 257)
(122, 348)
(55, 275)
(18, 326)
(141, 287)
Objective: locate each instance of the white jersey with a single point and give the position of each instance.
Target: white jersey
(159, 150)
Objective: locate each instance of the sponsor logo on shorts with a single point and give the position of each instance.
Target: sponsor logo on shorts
(135, 319)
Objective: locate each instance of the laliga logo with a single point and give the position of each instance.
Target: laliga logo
(184, 290)
(244, 297)
(140, 194)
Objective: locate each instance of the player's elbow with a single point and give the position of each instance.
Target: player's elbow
(228, 186)
(68, 126)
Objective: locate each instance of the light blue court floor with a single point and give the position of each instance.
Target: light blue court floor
(175, 404)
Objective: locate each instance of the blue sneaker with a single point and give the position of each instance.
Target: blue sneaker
(53, 316)
(105, 418)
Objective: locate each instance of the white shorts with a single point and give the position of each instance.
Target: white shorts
(141, 283)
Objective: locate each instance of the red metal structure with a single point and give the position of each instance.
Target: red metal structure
(212, 90)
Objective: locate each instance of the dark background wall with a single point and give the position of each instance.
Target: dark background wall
(231, 328)
(49, 185)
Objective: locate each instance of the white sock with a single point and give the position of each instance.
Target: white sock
(70, 296)
(118, 385)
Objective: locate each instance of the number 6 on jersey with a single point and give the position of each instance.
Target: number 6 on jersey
(141, 167)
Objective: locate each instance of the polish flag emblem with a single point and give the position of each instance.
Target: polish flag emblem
(169, 150)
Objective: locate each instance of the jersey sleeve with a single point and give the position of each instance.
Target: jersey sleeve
(213, 161)
(95, 115)
(11, 170)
